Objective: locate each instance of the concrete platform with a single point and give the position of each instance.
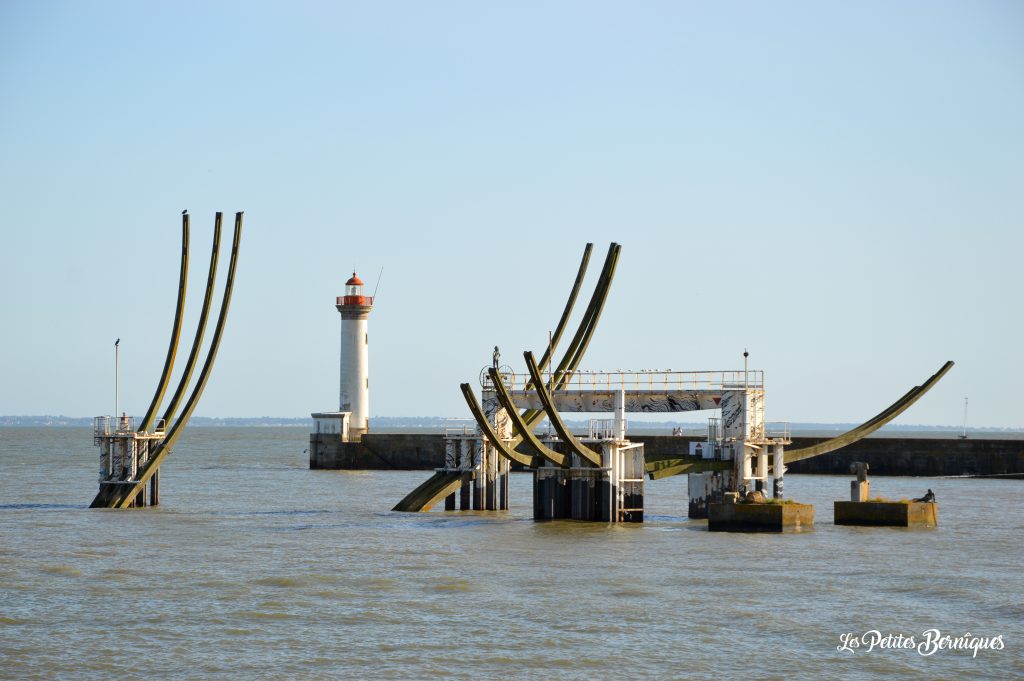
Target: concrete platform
(766, 517)
(887, 513)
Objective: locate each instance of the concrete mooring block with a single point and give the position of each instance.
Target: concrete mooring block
(766, 517)
(887, 513)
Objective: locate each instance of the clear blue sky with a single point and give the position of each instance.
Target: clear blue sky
(837, 186)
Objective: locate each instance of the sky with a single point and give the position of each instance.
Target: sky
(836, 187)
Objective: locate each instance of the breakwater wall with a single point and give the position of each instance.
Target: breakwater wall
(885, 455)
(918, 456)
(377, 451)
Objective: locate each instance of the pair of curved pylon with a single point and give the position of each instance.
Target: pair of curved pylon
(674, 465)
(523, 424)
(426, 495)
(524, 432)
(586, 455)
(120, 495)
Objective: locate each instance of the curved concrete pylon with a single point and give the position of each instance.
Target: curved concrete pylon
(442, 483)
(581, 340)
(172, 349)
(204, 315)
(487, 429)
(525, 431)
(581, 450)
(598, 307)
(560, 327)
(570, 361)
(669, 466)
(436, 487)
(868, 427)
(125, 499)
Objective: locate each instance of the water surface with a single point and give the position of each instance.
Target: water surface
(256, 567)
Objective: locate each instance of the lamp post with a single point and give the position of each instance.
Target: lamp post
(116, 344)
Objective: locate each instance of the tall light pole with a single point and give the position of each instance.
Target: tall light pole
(116, 344)
(745, 356)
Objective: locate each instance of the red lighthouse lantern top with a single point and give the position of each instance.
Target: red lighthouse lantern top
(354, 293)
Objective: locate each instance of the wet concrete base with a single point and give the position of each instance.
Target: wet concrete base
(744, 517)
(887, 513)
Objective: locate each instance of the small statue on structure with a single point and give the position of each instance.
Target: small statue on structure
(927, 498)
(860, 469)
(496, 359)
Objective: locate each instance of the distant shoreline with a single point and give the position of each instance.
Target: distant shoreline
(437, 424)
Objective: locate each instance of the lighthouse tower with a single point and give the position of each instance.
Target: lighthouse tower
(355, 363)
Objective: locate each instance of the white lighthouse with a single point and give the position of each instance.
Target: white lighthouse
(355, 357)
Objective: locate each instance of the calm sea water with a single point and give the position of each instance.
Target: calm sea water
(256, 567)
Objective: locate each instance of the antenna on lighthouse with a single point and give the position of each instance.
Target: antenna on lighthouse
(377, 284)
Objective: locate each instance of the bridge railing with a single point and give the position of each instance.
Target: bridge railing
(604, 429)
(776, 430)
(108, 425)
(112, 425)
(459, 426)
(644, 380)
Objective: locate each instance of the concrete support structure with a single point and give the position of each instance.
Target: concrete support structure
(490, 484)
(706, 488)
(887, 513)
(354, 394)
(778, 470)
(130, 458)
(741, 436)
(612, 493)
(731, 516)
(124, 453)
(860, 489)
(466, 450)
(923, 512)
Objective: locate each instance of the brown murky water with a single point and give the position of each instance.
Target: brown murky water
(256, 567)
